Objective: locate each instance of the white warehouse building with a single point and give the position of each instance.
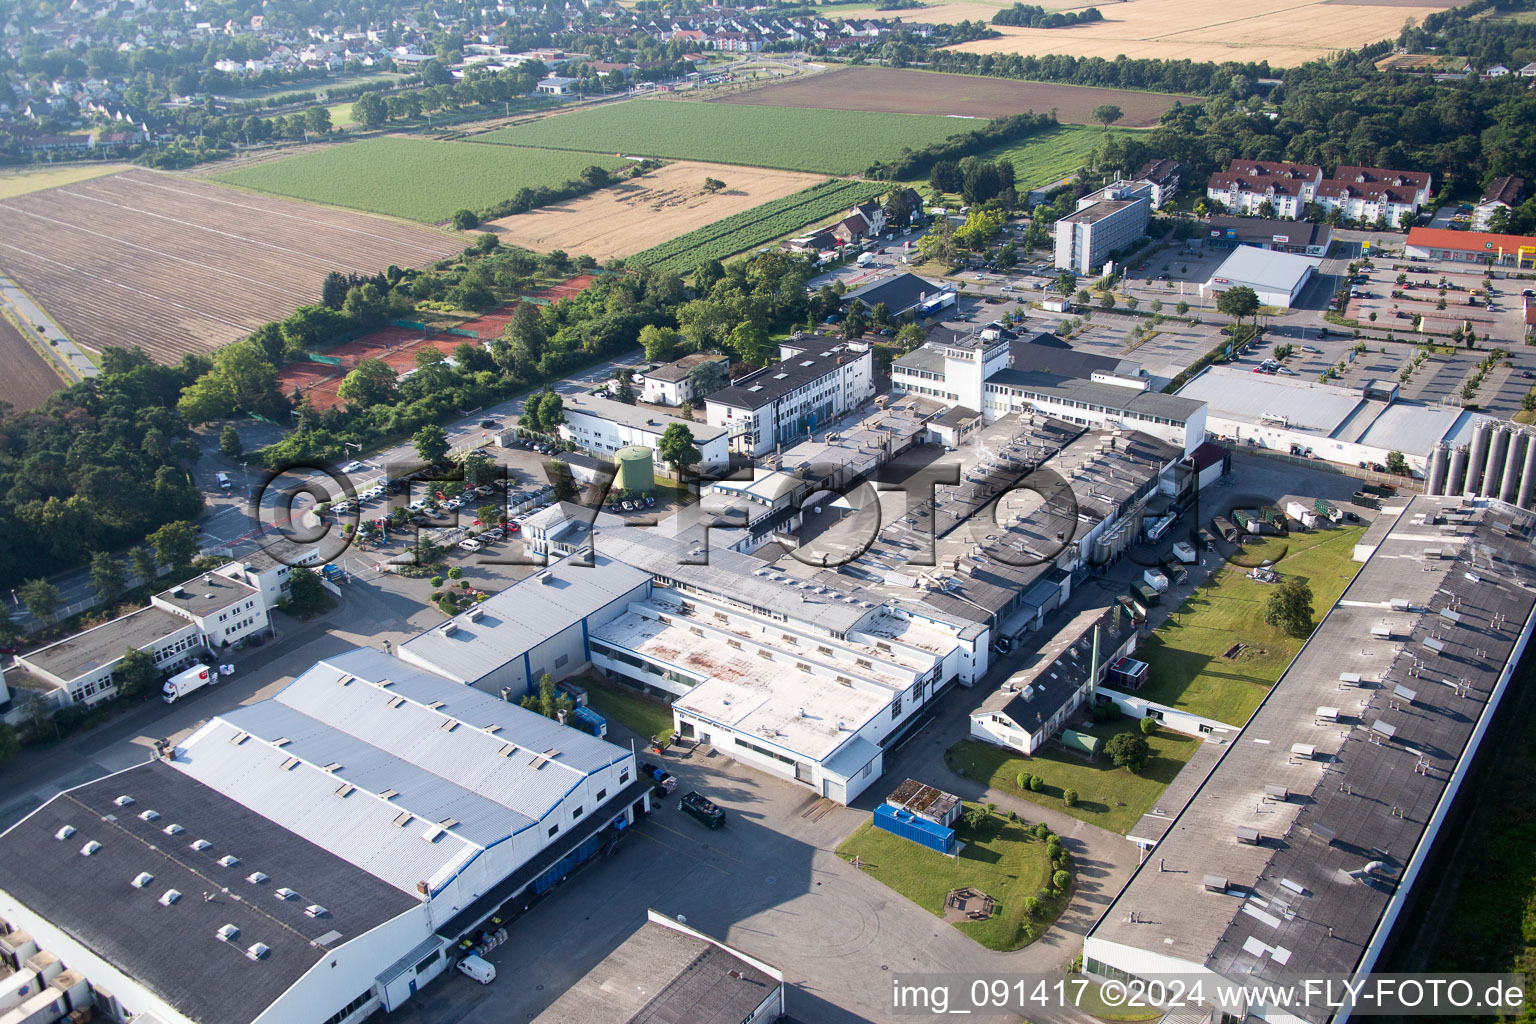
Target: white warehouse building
(312, 857)
(602, 426)
(1277, 278)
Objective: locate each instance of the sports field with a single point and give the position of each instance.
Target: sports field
(1239, 30)
(418, 179)
(636, 215)
(822, 141)
(889, 90)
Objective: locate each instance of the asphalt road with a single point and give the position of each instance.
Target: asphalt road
(31, 316)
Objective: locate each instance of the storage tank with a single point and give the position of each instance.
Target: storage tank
(637, 473)
(1439, 463)
(1528, 476)
(1478, 458)
(1508, 486)
(1456, 480)
(1497, 446)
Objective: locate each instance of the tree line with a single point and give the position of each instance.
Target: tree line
(915, 163)
(1034, 16)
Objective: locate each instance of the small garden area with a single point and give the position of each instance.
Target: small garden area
(1109, 797)
(646, 715)
(1023, 868)
(1188, 654)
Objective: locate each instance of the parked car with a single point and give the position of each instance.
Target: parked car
(489, 424)
(470, 544)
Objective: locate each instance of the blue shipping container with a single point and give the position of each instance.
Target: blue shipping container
(919, 830)
(590, 721)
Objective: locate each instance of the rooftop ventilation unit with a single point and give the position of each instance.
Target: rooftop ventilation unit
(142, 879)
(285, 893)
(227, 933)
(200, 844)
(258, 951)
(315, 910)
(124, 801)
(64, 833)
(1215, 883)
(256, 878)
(173, 830)
(169, 896)
(228, 861)
(473, 615)
(89, 848)
(149, 816)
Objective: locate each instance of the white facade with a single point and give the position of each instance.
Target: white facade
(602, 426)
(803, 392)
(1105, 402)
(953, 373)
(1111, 219)
(1277, 278)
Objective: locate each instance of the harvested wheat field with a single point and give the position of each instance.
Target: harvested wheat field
(894, 91)
(177, 265)
(637, 215)
(1240, 30)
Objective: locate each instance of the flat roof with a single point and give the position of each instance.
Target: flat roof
(1094, 394)
(1324, 410)
(1264, 268)
(776, 380)
(208, 593)
(1101, 209)
(637, 417)
(78, 655)
(1309, 896)
(523, 616)
(1262, 231)
(900, 293)
(174, 951)
(663, 975)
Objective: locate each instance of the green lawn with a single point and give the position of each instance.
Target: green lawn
(645, 715)
(418, 179)
(1002, 859)
(319, 86)
(1109, 797)
(1051, 154)
(789, 138)
(1188, 670)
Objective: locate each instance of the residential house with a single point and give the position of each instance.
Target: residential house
(1246, 185)
(1505, 194)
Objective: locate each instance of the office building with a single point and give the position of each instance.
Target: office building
(1111, 220)
(816, 381)
(602, 426)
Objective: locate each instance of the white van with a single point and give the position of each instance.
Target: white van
(224, 482)
(480, 969)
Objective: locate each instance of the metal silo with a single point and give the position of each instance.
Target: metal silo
(1439, 464)
(1508, 487)
(1456, 480)
(1494, 472)
(1528, 476)
(1477, 459)
(637, 471)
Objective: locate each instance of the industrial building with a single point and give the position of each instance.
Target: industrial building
(316, 856)
(668, 972)
(1470, 247)
(1347, 426)
(1032, 705)
(1105, 401)
(900, 294)
(539, 625)
(816, 381)
(1277, 278)
(954, 370)
(198, 620)
(1497, 461)
(1304, 238)
(1105, 222)
(1295, 856)
(603, 426)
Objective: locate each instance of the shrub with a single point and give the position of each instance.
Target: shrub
(1033, 906)
(1099, 714)
(436, 581)
(455, 573)
(1060, 880)
(1042, 830)
(1022, 779)
(991, 807)
(1069, 798)
(1013, 816)
(1148, 726)
(974, 817)
(1036, 783)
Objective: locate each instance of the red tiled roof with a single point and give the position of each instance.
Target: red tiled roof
(1224, 182)
(1390, 193)
(1264, 168)
(1468, 241)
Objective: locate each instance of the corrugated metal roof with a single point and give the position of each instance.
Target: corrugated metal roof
(523, 616)
(359, 830)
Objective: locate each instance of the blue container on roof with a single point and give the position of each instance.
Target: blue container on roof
(919, 830)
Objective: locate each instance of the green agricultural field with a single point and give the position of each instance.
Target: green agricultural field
(1050, 155)
(786, 138)
(1189, 669)
(417, 179)
(741, 231)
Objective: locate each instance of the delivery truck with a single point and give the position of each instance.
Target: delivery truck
(183, 683)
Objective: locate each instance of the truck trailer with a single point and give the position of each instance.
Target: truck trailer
(183, 683)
